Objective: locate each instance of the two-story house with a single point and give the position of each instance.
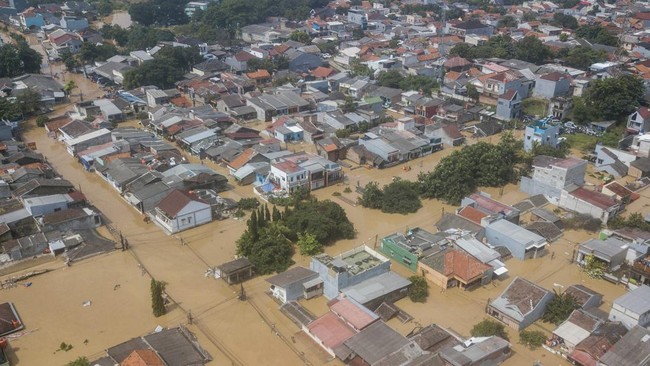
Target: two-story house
(508, 105)
(541, 133)
(551, 85)
(639, 121)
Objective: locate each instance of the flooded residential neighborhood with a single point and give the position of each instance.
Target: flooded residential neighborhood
(324, 183)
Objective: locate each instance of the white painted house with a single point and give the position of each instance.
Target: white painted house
(633, 308)
(180, 211)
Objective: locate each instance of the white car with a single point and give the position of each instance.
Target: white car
(570, 125)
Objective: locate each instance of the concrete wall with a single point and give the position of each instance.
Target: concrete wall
(628, 318)
(399, 254)
(86, 222)
(569, 202)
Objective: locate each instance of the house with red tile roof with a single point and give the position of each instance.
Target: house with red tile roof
(181, 210)
(143, 357)
(455, 268)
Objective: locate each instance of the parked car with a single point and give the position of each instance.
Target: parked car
(570, 125)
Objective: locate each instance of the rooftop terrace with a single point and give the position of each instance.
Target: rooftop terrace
(354, 261)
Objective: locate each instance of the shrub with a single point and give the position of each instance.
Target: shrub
(347, 190)
(42, 120)
(532, 338)
(489, 327)
(248, 203)
(582, 222)
(336, 194)
(419, 290)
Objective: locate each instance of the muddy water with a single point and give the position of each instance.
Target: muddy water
(233, 331)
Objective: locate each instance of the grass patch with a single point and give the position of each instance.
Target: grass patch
(582, 142)
(535, 107)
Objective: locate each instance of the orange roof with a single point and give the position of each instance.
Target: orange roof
(330, 330)
(142, 357)
(242, 159)
(427, 57)
(322, 72)
(180, 102)
(463, 265)
(259, 74)
(472, 214)
(452, 75)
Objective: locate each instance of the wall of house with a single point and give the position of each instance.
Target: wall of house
(86, 222)
(399, 254)
(628, 318)
(495, 313)
(194, 214)
(498, 239)
(432, 275)
(569, 202)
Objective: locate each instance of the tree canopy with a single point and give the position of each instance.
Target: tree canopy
(559, 309)
(393, 79)
(529, 49)
(162, 12)
(481, 164)
(419, 290)
(399, 196)
(581, 57)
(157, 300)
(18, 58)
(489, 327)
(168, 66)
(325, 220)
(564, 20)
(614, 98)
(596, 34)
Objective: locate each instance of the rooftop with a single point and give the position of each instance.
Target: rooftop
(354, 261)
(291, 276)
(376, 287)
(520, 298)
(376, 342)
(330, 330)
(636, 301)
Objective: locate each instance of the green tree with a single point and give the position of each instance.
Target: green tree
(507, 21)
(594, 267)
(157, 300)
(390, 78)
(163, 12)
(564, 20)
(531, 49)
(326, 220)
(343, 133)
(80, 361)
(271, 252)
(489, 327)
(308, 244)
(581, 57)
(597, 34)
(29, 101)
(472, 92)
(349, 105)
(401, 196)
(9, 110)
(69, 87)
(559, 308)
(300, 36)
(461, 172)
(372, 197)
(532, 338)
(564, 37)
(358, 33)
(276, 215)
(42, 120)
(359, 69)
(328, 47)
(419, 290)
(158, 72)
(615, 98)
(581, 114)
